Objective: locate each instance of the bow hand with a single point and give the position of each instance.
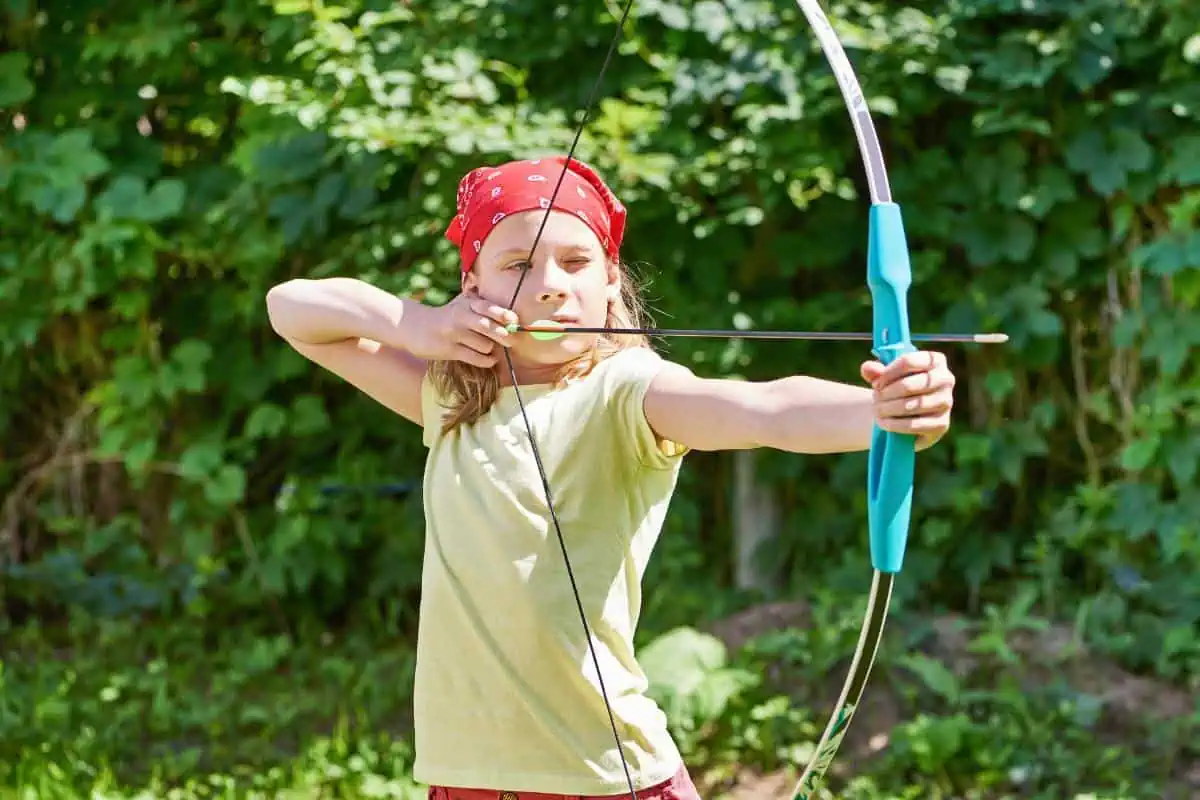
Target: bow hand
(913, 395)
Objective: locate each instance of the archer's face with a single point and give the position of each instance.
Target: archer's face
(569, 280)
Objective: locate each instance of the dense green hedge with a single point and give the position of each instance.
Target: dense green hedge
(163, 165)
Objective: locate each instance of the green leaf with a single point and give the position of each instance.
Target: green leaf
(165, 201)
(60, 202)
(190, 360)
(682, 657)
(15, 86)
(1132, 150)
(1170, 254)
(288, 7)
(308, 416)
(1183, 163)
(127, 198)
(1191, 49)
(200, 460)
(1183, 459)
(688, 674)
(74, 153)
(1052, 187)
(138, 456)
(266, 421)
(124, 194)
(1140, 453)
(998, 121)
(935, 676)
(673, 15)
(1000, 384)
(971, 448)
(990, 238)
(1107, 157)
(227, 487)
(1091, 66)
(712, 19)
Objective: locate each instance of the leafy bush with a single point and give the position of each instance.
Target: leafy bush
(166, 458)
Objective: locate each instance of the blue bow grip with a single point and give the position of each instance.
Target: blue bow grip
(892, 456)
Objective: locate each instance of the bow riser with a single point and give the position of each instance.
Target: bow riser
(892, 457)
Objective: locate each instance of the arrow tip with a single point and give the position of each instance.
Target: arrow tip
(991, 338)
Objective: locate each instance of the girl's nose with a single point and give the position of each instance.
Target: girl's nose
(554, 284)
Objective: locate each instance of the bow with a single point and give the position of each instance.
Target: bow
(891, 457)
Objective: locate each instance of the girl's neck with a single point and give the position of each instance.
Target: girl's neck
(535, 374)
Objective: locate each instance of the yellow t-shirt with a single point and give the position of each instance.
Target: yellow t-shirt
(506, 693)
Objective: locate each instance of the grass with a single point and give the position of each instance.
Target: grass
(115, 711)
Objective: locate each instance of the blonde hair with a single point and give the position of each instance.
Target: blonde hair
(468, 391)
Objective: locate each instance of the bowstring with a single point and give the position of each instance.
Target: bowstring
(537, 456)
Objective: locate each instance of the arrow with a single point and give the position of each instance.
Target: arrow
(546, 330)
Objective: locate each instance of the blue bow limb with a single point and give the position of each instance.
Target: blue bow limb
(893, 455)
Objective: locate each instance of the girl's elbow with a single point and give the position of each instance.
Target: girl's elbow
(280, 302)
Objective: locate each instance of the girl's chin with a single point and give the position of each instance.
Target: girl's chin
(552, 353)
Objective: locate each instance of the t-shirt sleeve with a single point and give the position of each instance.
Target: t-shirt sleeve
(629, 375)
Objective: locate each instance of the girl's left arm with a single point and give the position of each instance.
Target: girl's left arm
(802, 414)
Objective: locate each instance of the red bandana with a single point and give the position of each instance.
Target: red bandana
(488, 194)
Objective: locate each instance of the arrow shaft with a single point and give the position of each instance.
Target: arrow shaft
(961, 338)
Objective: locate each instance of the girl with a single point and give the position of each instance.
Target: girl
(514, 697)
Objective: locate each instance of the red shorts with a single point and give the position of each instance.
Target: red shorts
(679, 787)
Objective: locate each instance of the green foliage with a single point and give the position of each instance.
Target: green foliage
(165, 457)
(692, 681)
(981, 729)
(163, 713)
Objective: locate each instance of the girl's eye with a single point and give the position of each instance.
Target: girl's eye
(522, 265)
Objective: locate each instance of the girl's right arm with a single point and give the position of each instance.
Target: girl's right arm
(380, 343)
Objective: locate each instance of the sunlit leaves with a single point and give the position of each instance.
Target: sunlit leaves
(691, 677)
(1191, 50)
